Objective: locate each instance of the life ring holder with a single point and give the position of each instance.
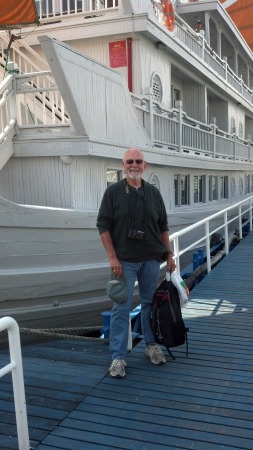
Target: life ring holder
(169, 14)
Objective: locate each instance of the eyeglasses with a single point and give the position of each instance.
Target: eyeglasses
(131, 161)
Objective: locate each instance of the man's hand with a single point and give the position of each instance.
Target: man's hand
(171, 265)
(116, 267)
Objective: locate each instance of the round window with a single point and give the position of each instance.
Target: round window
(156, 86)
(154, 180)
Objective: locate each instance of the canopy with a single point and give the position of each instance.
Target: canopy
(14, 13)
(241, 12)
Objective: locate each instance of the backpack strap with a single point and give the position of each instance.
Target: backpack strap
(170, 353)
(186, 343)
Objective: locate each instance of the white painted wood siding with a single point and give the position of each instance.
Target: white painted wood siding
(37, 181)
(94, 107)
(195, 100)
(49, 181)
(147, 60)
(48, 254)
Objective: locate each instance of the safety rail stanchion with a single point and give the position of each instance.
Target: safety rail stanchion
(250, 214)
(16, 369)
(130, 339)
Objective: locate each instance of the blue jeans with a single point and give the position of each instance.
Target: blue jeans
(146, 273)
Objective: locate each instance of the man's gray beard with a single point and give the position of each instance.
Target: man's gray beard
(134, 176)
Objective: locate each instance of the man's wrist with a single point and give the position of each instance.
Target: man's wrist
(170, 253)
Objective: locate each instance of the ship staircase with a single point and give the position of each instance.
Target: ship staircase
(40, 103)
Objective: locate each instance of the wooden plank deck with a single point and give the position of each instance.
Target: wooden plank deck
(203, 402)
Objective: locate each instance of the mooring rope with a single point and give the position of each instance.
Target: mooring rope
(59, 333)
(63, 330)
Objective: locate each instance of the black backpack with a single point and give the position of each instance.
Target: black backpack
(166, 320)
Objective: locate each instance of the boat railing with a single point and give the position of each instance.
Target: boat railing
(196, 136)
(34, 101)
(7, 119)
(63, 8)
(196, 42)
(224, 222)
(188, 37)
(7, 115)
(39, 101)
(16, 368)
(174, 130)
(26, 60)
(229, 223)
(42, 101)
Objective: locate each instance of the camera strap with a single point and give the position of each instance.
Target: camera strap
(140, 222)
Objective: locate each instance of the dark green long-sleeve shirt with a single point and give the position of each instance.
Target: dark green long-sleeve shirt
(143, 209)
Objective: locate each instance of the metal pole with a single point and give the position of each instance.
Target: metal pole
(17, 379)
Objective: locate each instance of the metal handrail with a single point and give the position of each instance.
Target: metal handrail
(16, 369)
(236, 211)
(228, 216)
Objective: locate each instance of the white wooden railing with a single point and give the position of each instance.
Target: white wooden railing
(25, 58)
(29, 61)
(56, 8)
(33, 101)
(64, 9)
(173, 130)
(39, 101)
(7, 113)
(16, 369)
(197, 44)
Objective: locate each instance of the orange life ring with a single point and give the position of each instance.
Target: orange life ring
(168, 12)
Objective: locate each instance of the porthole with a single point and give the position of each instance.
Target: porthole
(153, 179)
(156, 86)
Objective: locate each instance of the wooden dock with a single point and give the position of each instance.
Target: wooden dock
(203, 402)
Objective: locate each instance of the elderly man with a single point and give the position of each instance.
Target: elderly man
(133, 227)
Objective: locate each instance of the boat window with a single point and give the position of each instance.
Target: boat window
(175, 95)
(241, 130)
(233, 129)
(247, 183)
(156, 86)
(113, 176)
(213, 188)
(233, 186)
(199, 188)
(241, 185)
(181, 189)
(153, 179)
(223, 187)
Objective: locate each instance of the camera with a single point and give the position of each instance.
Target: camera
(137, 235)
